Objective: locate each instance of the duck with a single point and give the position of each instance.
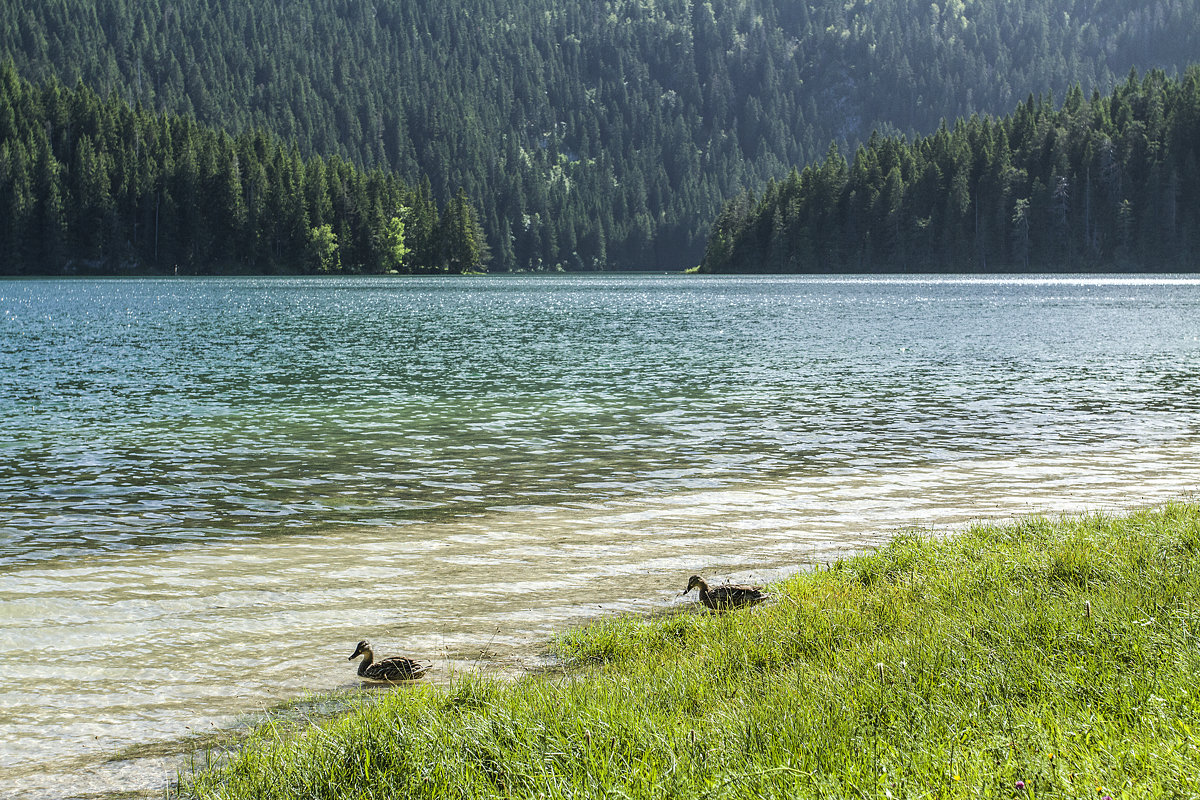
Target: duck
(394, 668)
(731, 595)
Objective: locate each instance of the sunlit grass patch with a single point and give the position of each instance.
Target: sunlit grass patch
(1049, 657)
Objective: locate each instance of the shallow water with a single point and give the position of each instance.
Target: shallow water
(211, 489)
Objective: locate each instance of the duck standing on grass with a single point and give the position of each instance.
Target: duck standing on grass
(395, 668)
(730, 595)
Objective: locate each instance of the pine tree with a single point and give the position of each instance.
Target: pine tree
(463, 239)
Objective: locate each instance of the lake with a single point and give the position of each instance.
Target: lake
(211, 489)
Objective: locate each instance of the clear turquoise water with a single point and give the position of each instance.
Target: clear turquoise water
(210, 470)
(142, 412)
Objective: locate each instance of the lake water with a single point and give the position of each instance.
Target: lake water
(211, 489)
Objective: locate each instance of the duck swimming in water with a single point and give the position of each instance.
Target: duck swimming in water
(395, 668)
(731, 595)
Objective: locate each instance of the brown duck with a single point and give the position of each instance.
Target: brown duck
(395, 668)
(731, 595)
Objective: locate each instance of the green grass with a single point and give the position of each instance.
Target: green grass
(1062, 654)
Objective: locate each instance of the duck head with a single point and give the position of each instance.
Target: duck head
(693, 582)
(363, 647)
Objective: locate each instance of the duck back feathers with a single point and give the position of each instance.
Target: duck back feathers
(393, 668)
(730, 595)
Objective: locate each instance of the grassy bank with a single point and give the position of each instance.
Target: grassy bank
(1048, 658)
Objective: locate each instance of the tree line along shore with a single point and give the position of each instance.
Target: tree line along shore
(1104, 183)
(95, 185)
(1101, 183)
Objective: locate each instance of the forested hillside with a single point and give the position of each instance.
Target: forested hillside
(1110, 182)
(592, 132)
(93, 185)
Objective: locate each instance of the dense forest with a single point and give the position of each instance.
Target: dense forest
(592, 133)
(95, 185)
(1109, 182)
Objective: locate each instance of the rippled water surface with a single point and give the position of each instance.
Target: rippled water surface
(211, 489)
